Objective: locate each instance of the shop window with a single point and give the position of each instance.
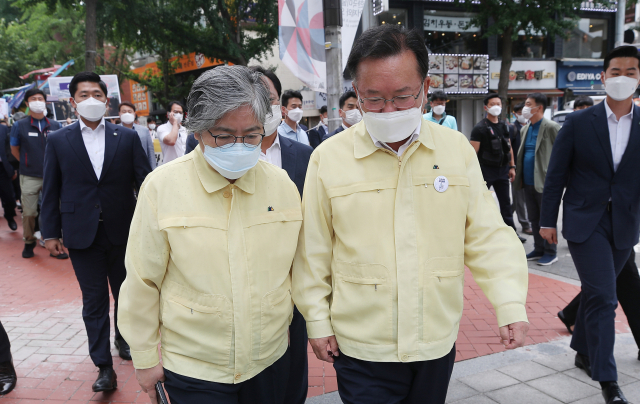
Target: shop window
(588, 39)
(451, 32)
(395, 16)
(532, 46)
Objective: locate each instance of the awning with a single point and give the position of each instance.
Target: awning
(8, 90)
(553, 92)
(46, 70)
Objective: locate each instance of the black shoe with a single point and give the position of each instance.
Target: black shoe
(123, 349)
(582, 362)
(61, 256)
(8, 377)
(12, 223)
(522, 239)
(613, 395)
(28, 250)
(106, 380)
(564, 321)
(527, 230)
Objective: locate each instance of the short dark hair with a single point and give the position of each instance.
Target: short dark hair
(625, 51)
(388, 40)
(271, 76)
(323, 109)
(84, 77)
(344, 97)
(491, 96)
(518, 107)
(289, 94)
(128, 104)
(583, 101)
(32, 92)
(172, 103)
(540, 99)
(439, 96)
(151, 119)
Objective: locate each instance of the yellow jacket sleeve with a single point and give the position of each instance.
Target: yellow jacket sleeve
(311, 275)
(139, 302)
(493, 252)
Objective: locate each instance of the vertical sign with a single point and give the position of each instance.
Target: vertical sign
(139, 98)
(351, 12)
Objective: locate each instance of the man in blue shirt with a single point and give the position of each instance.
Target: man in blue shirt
(292, 111)
(538, 137)
(437, 115)
(28, 141)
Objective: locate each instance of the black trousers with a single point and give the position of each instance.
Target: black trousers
(5, 346)
(598, 263)
(534, 204)
(498, 178)
(298, 384)
(98, 267)
(363, 382)
(268, 387)
(628, 292)
(7, 197)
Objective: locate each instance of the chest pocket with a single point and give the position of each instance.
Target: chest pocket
(185, 232)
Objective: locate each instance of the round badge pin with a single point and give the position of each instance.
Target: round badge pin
(441, 183)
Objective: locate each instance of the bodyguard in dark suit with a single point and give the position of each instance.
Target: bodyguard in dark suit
(316, 134)
(191, 143)
(7, 175)
(349, 112)
(293, 157)
(90, 171)
(595, 157)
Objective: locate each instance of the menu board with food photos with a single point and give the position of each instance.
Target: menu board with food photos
(459, 74)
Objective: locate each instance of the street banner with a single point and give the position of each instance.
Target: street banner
(17, 99)
(301, 40)
(4, 109)
(60, 95)
(351, 13)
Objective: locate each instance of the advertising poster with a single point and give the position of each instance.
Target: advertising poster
(459, 74)
(60, 96)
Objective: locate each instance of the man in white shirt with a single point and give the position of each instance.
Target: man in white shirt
(292, 111)
(172, 135)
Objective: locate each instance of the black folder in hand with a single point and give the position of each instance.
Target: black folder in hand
(160, 396)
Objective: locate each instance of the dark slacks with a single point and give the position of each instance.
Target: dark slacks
(268, 387)
(363, 382)
(628, 292)
(5, 346)
(534, 204)
(598, 263)
(498, 178)
(98, 267)
(7, 197)
(518, 206)
(298, 384)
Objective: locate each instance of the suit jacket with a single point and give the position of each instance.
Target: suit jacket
(147, 144)
(295, 159)
(74, 199)
(547, 134)
(582, 162)
(315, 135)
(5, 150)
(191, 143)
(340, 129)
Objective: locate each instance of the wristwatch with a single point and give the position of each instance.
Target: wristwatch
(510, 167)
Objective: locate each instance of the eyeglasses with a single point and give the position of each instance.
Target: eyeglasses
(252, 140)
(400, 101)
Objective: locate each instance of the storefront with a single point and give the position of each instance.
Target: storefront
(579, 77)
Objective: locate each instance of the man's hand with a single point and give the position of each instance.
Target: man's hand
(551, 235)
(15, 175)
(173, 121)
(147, 379)
(512, 336)
(325, 348)
(54, 246)
(512, 174)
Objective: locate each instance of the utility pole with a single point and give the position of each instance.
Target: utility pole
(332, 10)
(622, 6)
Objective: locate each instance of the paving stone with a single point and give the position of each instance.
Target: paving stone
(526, 371)
(579, 374)
(521, 394)
(458, 391)
(488, 381)
(563, 387)
(560, 362)
(476, 400)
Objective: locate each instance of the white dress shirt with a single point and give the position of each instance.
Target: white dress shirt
(619, 132)
(94, 143)
(414, 136)
(177, 150)
(273, 154)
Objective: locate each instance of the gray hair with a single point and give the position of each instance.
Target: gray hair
(224, 89)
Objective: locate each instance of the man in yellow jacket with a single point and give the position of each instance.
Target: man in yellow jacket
(209, 256)
(393, 208)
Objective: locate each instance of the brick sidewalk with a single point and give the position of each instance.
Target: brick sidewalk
(40, 307)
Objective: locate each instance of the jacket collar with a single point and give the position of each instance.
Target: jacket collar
(364, 146)
(212, 181)
(47, 124)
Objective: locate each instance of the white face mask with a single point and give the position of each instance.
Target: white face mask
(391, 127)
(273, 121)
(526, 113)
(325, 121)
(352, 117)
(495, 110)
(152, 126)
(92, 109)
(521, 119)
(38, 106)
(127, 118)
(620, 88)
(177, 117)
(295, 115)
(232, 162)
(438, 109)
